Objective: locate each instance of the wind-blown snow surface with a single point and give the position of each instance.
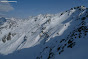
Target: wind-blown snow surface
(59, 36)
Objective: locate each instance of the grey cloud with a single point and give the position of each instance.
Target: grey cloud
(5, 7)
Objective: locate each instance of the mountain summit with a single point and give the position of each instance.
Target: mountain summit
(50, 36)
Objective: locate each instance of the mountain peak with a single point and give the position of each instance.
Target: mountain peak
(51, 34)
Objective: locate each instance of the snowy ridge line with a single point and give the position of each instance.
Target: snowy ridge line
(46, 36)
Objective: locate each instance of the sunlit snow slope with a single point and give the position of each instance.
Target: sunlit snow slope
(50, 36)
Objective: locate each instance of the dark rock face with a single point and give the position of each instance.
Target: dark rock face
(6, 38)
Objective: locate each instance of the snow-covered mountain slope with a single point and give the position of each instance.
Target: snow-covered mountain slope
(59, 36)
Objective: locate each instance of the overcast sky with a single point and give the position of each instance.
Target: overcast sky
(25, 8)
